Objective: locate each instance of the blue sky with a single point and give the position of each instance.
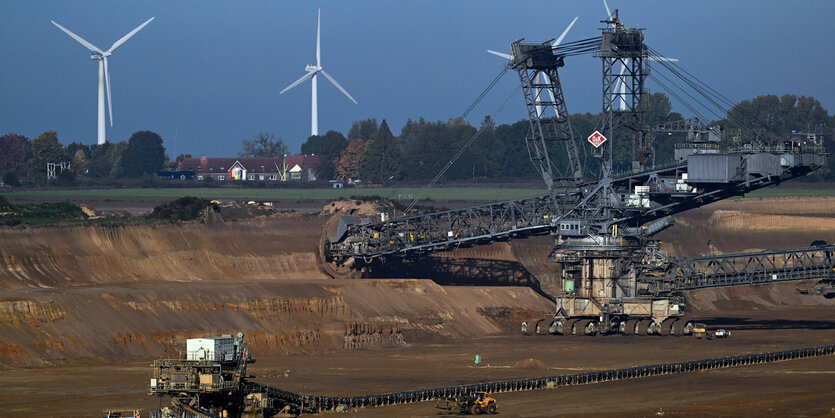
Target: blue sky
(206, 74)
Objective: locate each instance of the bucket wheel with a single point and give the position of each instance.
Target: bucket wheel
(346, 270)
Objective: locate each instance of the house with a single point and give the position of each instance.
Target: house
(287, 168)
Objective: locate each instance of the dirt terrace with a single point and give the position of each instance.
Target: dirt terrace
(79, 306)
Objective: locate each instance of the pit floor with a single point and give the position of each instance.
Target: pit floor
(791, 388)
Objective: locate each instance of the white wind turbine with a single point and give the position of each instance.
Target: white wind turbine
(620, 86)
(313, 71)
(543, 78)
(104, 74)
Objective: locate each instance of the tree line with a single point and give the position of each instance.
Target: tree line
(142, 154)
(373, 154)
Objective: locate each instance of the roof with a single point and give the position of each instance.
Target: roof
(269, 164)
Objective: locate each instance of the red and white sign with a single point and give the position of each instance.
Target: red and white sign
(597, 139)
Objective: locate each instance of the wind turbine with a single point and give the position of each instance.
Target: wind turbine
(313, 72)
(104, 73)
(543, 78)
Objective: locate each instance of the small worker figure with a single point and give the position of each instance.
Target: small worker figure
(524, 327)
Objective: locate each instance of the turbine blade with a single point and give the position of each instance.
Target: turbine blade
(80, 40)
(546, 79)
(299, 81)
(616, 99)
(608, 12)
(318, 39)
(565, 32)
(107, 87)
(501, 54)
(663, 59)
(128, 36)
(328, 76)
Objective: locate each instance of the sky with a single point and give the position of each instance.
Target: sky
(207, 74)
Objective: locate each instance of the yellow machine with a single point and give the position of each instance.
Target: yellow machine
(700, 330)
(476, 403)
(484, 403)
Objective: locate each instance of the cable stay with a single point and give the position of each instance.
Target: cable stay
(469, 141)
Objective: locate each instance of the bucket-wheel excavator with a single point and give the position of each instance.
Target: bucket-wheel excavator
(614, 277)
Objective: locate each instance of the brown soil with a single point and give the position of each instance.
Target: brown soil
(83, 309)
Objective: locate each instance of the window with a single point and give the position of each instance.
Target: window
(199, 177)
(221, 177)
(211, 169)
(222, 168)
(295, 176)
(261, 177)
(250, 177)
(262, 168)
(199, 167)
(272, 177)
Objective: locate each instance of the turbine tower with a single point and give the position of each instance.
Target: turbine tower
(104, 74)
(313, 72)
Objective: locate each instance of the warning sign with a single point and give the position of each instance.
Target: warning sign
(597, 139)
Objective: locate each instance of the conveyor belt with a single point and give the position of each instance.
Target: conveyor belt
(748, 268)
(314, 404)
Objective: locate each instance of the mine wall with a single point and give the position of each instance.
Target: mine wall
(93, 294)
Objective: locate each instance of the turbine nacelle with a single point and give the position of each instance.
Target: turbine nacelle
(104, 73)
(312, 71)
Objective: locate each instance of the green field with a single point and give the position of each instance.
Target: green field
(439, 193)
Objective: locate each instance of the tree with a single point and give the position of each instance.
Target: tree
(383, 160)
(313, 145)
(775, 116)
(348, 165)
(15, 151)
(144, 155)
(659, 111)
(73, 147)
(332, 145)
(79, 163)
(364, 129)
(487, 151)
(102, 157)
(45, 149)
(262, 144)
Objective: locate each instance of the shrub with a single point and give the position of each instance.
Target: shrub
(10, 179)
(184, 208)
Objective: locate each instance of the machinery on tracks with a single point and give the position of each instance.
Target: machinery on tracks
(208, 381)
(248, 398)
(475, 403)
(614, 278)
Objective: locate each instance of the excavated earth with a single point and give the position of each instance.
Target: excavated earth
(83, 309)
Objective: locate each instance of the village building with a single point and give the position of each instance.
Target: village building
(286, 168)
